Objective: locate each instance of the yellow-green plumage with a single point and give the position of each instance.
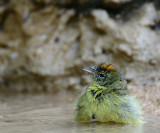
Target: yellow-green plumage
(107, 101)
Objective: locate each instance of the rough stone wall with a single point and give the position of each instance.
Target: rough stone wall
(44, 47)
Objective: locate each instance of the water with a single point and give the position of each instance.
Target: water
(54, 114)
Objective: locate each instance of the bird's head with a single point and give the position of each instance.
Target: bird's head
(104, 74)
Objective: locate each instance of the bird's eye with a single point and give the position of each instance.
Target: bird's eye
(101, 75)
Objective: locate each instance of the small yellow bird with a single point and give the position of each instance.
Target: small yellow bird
(107, 98)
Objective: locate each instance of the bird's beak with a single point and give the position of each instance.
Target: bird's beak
(90, 71)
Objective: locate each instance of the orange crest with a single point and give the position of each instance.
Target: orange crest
(108, 67)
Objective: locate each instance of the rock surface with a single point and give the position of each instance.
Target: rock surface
(44, 47)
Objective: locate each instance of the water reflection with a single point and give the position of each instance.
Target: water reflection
(47, 114)
(95, 127)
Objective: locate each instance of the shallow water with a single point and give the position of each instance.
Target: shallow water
(54, 114)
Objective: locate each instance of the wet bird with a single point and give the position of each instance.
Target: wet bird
(107, 98)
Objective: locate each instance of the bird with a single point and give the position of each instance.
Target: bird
(107, 98)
